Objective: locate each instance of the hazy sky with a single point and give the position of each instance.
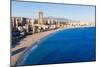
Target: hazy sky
(75, 12)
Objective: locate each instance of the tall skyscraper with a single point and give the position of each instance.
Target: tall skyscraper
(40, 19)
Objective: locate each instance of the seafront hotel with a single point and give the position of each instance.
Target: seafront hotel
(39, 39)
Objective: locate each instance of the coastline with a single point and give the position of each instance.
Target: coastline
(30, 41)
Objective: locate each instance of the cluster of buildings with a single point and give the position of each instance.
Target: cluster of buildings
(22, 26)
(28, 25)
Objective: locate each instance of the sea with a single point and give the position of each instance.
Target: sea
(65, 46)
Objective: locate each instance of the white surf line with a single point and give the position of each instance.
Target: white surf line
(31, 48)
(26, 54)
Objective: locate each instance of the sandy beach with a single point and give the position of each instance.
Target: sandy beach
(28, 42)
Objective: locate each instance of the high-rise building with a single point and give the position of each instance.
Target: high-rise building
(12, 22)
(16, 22)
(40, 18)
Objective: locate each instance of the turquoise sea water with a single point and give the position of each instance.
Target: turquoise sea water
(66, 46)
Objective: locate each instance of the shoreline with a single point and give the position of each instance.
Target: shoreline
(32, 47)
(26, 43)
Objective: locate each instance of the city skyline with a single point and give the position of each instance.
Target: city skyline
(74, 12)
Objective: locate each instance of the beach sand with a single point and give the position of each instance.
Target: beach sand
(28, 42)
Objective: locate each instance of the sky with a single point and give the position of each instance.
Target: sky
(74, 12)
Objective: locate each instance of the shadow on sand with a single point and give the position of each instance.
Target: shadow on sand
(18, 50)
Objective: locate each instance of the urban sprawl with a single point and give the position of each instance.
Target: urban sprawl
(23, 26)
